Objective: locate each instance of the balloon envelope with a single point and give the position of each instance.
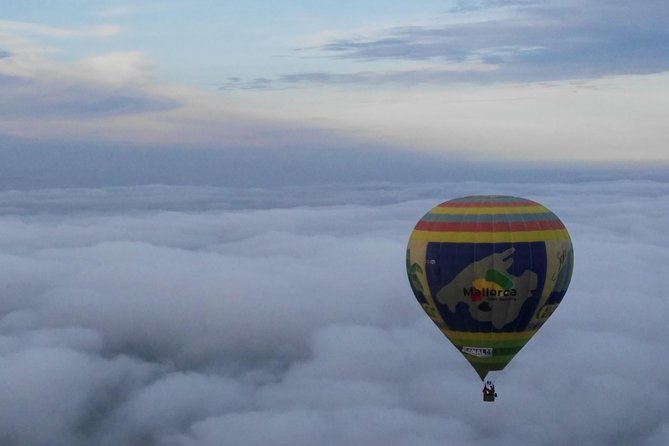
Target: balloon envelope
(489, 271)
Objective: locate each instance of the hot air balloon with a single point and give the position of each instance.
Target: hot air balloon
(489, 271)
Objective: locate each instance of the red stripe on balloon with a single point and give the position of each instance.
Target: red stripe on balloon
(487, 204)
(501, 226)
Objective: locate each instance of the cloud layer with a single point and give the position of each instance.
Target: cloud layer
(196, 317)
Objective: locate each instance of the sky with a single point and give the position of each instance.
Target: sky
(200, 316)
(486, 80)
(204, 211)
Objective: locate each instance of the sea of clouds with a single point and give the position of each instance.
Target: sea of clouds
(202, 316)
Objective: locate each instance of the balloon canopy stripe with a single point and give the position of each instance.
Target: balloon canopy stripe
(490, 237)
(468, 218)
(500, 210)
(490, 198)
(491, 203)
(490, 339)
(496, 226)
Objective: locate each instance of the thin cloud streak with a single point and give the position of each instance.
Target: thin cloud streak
(97, 31)
(519, 41)
(29, 98)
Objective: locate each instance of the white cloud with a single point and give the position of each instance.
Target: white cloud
(54, 97)
(119, 11)
(116, 68)
(98, 31)
(178, 316)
